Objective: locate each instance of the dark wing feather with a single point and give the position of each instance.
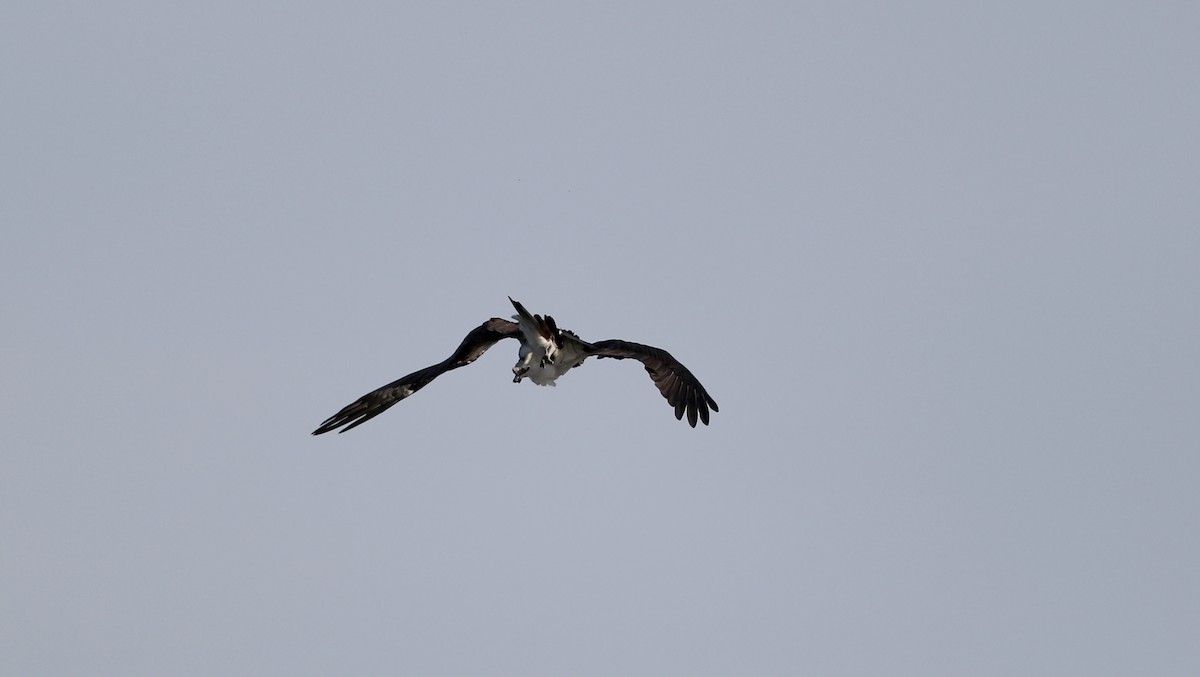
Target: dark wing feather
(378, 401)
(682, 390)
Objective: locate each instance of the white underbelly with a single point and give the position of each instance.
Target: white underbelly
(567, 359)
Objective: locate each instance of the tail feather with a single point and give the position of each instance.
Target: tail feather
(537, 330)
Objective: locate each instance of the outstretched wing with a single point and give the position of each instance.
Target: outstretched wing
(682, 390)
(378, 401)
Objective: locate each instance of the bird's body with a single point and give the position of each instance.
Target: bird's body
(546, 373)
(546, 353)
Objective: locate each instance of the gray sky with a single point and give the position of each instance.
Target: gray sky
(938, 263)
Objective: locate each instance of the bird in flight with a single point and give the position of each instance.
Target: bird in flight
(545, 354)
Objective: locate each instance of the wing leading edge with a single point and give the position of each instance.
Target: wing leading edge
(682, 390)
(378, 401)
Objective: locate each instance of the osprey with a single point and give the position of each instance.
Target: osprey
(546, 353)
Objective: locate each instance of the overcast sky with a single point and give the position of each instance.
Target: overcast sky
(939, 264)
